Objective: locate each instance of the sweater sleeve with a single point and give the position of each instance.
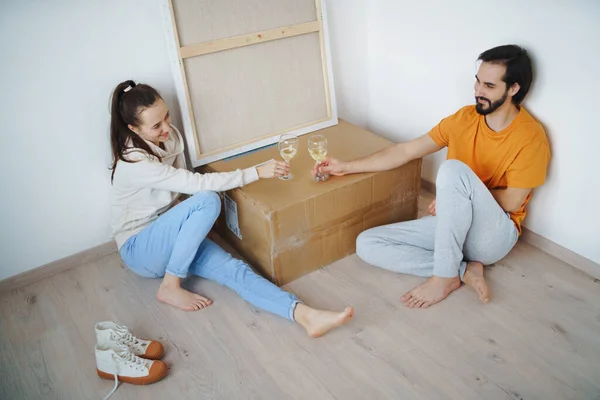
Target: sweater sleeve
(151, 173)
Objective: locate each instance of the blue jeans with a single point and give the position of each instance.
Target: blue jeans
(176, 243)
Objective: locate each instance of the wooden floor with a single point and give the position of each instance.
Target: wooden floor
(539, 338)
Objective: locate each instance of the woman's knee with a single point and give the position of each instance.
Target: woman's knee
(208, 201)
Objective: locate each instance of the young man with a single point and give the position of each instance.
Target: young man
(497, 153)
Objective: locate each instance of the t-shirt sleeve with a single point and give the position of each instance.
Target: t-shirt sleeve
(439, 134)
(528, 170)
(442, 131)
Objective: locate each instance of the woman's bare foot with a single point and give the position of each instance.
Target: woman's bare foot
(319, 322)
(474, 278)
(434, 290)
(171, 292)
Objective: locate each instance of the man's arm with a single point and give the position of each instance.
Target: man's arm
(510, 199)
(395, 155)
(383, 160)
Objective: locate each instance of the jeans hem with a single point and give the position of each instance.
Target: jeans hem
(292, 309)
(179, 275)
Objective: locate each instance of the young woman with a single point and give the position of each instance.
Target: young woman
(158, 237)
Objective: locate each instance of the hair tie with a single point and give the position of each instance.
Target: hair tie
(127, 89)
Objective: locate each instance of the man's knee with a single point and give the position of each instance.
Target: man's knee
(364, 243)
(451, 170)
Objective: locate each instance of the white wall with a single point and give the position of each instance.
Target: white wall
(399, 68)
(348, 23)
(421, 65)
(60, 61)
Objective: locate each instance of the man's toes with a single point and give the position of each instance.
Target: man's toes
(484, 294)
(406, 297)
(425, 304)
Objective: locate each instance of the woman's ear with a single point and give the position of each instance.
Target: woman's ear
(133, 129)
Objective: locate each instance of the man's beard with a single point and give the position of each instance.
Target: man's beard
(491, 106)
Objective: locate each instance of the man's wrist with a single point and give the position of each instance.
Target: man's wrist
(349, 167)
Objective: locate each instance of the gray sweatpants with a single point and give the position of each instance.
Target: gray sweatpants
(469, 226)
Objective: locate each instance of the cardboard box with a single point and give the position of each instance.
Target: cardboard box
(287, 229)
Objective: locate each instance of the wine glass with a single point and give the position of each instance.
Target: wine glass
(317, 147)
(288, 147)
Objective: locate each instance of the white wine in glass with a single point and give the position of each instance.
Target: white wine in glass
(317, 148)
(288, 147)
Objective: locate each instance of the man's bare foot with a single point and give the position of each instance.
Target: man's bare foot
(171, 292)
(319, 322)
(434, 290)
(474, 278)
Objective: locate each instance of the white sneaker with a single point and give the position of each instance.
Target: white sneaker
(116, 361)
(107, 332)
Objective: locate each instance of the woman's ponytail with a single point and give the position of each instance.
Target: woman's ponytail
(127, 102)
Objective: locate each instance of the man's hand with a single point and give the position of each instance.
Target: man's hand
(331, 166)
(272, 168)
(432, 208)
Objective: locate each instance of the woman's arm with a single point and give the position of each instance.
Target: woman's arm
(148, 173)
(151, 173)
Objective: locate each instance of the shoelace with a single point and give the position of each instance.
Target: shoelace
(133, 360)
(128, 358)
(116, 385)
(127, 338)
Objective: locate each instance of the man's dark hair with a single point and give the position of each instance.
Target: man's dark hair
(518, 67)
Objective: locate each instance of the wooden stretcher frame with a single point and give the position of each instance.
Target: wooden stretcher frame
(177, 54)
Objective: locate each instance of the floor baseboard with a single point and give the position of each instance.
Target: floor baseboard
(429, 186)
(39, 273)
(546, 245)
(562, 253)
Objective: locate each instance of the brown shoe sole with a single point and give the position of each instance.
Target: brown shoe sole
(157, 372)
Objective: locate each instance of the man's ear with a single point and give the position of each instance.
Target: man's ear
(514, 89)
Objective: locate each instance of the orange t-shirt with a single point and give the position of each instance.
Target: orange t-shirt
(515, 157)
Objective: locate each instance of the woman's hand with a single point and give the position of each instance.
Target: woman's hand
(272, 168)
